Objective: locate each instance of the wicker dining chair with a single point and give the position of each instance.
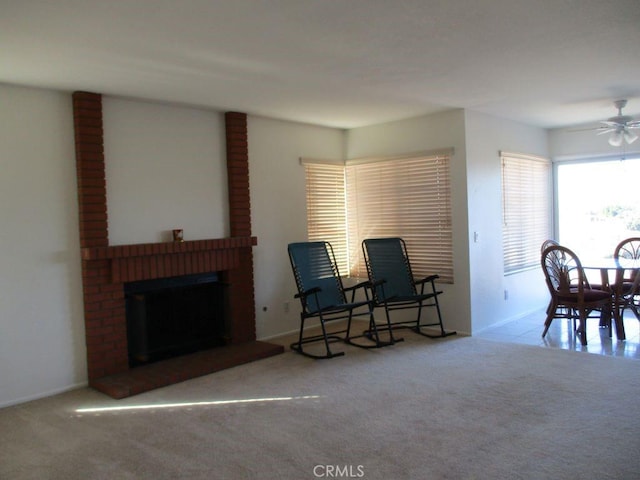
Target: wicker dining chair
(627, 256)
(570, 288)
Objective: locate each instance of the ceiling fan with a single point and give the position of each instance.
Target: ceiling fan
(619, 126)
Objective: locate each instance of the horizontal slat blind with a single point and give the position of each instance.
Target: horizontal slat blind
(326, 209)
(527, 203)
(408, 198)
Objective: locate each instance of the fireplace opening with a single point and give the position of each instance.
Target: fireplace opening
(174, 316)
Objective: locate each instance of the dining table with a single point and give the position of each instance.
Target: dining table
(611, 278)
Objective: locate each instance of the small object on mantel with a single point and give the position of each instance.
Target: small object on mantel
(178, 235)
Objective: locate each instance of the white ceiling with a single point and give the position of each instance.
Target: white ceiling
(340, 63)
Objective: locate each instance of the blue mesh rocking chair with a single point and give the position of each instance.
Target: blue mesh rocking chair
(323, 296)
(393, 286)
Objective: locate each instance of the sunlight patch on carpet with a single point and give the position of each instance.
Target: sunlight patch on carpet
(156, 406)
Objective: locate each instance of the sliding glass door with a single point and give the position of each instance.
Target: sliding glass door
(598, 204)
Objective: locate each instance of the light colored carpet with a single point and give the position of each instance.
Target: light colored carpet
(460, 408)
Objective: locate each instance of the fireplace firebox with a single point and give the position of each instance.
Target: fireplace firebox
(174, 316)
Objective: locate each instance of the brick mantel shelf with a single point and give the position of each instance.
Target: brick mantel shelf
(145, 261)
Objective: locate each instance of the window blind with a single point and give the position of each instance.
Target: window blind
(527, 206)
(326, 208)
(405, 197)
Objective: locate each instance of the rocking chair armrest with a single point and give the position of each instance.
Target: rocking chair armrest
(365, 284)
(423, 281)
(430, 278)
(306, 293)
(373, 286)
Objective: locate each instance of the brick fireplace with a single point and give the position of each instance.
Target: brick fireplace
(106, 268)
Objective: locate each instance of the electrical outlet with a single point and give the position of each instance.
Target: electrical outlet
(506, 294)
(286, 307)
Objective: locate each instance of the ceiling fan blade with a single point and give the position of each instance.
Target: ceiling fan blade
(606, 130)
(634, 124)
(586, 129)
(629, 137)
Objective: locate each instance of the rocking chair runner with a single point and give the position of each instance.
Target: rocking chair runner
(394, 287)
(323, 296)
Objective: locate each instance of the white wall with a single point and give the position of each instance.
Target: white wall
(527, 292)
(41, 322)
(165, 168)
(278, 211)
(442, 130)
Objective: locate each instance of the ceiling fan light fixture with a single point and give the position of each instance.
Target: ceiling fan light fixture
(615, 140)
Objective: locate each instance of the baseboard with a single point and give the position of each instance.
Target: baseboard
(48, 393)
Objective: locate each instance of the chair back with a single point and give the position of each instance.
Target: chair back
(314, 266)
(387, 260)
(548, 243)
(563, 271)
(627, 253)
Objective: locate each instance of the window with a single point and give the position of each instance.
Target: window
(408, 197)
(527, 206)
(597, 204)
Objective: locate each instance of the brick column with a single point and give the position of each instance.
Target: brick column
(104, 307)
(241, 297)
(92, 188)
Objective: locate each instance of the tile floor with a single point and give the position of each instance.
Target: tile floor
(528, 330)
